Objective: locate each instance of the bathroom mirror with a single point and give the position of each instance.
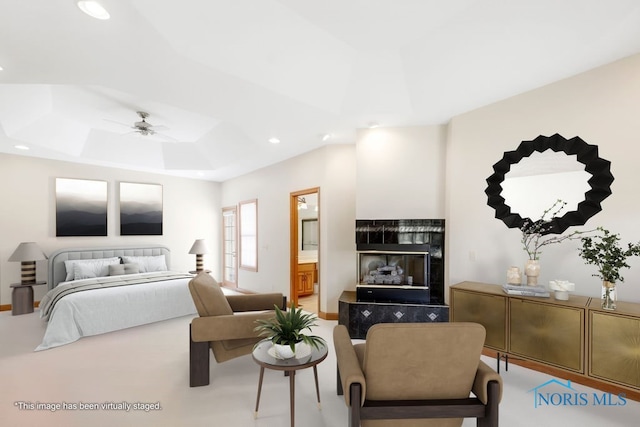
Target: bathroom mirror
(530, 179)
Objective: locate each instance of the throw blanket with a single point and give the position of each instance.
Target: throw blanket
(54, 295)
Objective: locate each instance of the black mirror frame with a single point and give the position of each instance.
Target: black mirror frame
(600, 181)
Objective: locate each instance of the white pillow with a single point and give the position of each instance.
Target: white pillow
(94, 267)
(147, 263)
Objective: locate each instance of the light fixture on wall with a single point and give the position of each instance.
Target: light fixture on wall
(28, 253)
(198, 249)
(302, 203)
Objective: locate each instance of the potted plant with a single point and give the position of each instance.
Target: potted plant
(534, 237)
(609, 257)
(285, 330)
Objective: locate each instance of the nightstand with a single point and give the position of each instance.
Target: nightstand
(22, 297)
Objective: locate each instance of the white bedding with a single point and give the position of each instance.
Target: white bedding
(103, 310)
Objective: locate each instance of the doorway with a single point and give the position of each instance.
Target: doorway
(305, 249)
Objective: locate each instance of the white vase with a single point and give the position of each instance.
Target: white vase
(284, 351)
(532, 271)
(561, 295)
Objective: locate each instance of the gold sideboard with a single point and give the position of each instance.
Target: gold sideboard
(614, 343)
(574, 336)
(487, 305)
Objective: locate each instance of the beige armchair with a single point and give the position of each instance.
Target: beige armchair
(225, 324)
(406, 373)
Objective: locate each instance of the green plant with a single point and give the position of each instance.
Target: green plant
(607, 255)
(287, 327)
(533, 231)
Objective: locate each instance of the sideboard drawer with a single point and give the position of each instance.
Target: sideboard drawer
(548, 333)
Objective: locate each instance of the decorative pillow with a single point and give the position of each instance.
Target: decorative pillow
(99, 266)
(120, 269)
(147, 264)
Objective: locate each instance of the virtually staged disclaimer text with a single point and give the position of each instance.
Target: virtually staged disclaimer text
(87, 406)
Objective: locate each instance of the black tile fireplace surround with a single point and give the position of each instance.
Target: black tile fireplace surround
(400, 234)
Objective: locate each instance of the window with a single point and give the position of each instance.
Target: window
(229, 245)
(249, 235)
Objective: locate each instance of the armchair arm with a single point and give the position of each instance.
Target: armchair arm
(227, 327)
(480, 385)
(255, 302)
(348, 363)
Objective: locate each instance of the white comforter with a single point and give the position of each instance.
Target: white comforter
(97, 311)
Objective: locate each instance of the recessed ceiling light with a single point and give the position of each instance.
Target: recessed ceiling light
(93, 9)
(21, 147)
(373, 125)
(326, 137)
(1, 68)
(274, 140)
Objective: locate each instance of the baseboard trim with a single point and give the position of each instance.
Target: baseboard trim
(327, 316)
(7, 307)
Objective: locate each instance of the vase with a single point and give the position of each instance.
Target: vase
(608, 295)
(513, 276)
(561, 289)
(532, 271)
(284, 351)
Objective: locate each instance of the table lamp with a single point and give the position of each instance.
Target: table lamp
(199, 248)
(28, 253)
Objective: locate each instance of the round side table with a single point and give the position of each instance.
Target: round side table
(264, 355)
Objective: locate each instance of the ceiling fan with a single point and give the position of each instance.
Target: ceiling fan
(144, 128)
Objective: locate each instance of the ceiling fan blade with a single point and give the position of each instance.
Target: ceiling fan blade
(159, 127)
(117, 122)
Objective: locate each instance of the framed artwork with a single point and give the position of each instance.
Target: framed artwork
(140, 209)
(81, 207)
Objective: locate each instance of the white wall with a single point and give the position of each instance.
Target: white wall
(27, 213)
(332, 169)
(600, 106)
(400, 172)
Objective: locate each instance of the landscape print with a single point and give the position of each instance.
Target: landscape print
(81, 207)
(140, 209)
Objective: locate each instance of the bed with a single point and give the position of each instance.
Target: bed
(94, 291)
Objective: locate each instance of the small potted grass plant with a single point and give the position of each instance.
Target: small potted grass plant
(285, 331)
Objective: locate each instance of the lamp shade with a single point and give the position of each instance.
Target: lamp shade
(199, 247)
(27, 251)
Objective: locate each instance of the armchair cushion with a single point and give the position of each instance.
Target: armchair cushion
(255, 302)
(349, 364)
(208, 297)
(227, 327)
(429, 353)
(481, 382)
